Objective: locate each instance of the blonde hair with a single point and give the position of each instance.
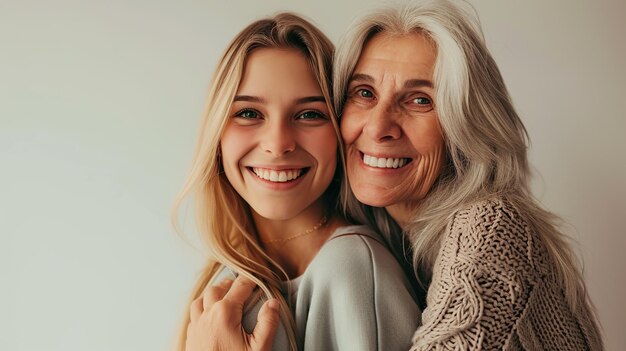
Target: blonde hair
(222, 216)
(486, 141)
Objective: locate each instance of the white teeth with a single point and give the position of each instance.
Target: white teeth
(277, 176)
(382, 162)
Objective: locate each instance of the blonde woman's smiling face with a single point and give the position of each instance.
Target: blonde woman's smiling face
(394, 144)
(279, 147)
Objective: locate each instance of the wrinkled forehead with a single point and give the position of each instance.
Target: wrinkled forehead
(410, 47)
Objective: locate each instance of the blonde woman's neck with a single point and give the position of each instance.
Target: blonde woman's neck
(294, 242)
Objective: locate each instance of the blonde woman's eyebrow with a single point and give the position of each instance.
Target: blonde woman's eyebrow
(308, 99)
(260, 100)
(249, 98)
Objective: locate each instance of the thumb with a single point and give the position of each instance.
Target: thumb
(266, 326)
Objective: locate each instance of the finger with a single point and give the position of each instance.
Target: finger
(240, 291)
(214, 293)
(266, 326)
(195, 309)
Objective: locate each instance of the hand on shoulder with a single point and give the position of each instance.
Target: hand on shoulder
(216, 319)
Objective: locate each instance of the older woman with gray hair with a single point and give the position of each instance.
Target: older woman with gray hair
(436, 151)
(433, 141)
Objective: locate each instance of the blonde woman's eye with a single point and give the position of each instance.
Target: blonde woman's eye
(247, 114)
(311, 115)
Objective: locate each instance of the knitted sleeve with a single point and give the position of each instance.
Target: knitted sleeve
(482, 280)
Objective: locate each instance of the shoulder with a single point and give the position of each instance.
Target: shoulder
(353, 253)
(489, 220)
(354, 244)
(355, 296)
(494, 234)
(489, 213)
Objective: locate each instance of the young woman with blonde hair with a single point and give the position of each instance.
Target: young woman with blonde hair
(265, 180)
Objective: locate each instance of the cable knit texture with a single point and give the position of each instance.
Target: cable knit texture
(493, 288)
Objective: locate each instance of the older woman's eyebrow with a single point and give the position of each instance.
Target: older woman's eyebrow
(417, 83)
(360, 77)
(411, 83)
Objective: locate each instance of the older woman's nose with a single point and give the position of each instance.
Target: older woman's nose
(278, 139)
(381, 124)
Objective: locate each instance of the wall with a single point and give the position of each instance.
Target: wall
(99, 105)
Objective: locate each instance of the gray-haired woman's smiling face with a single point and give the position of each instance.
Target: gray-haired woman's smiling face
(394, 144)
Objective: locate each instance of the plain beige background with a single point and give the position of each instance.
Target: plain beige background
(99, 105)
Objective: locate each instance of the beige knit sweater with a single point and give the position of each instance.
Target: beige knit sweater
(493, 288)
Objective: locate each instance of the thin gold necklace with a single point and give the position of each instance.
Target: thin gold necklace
(281, 242)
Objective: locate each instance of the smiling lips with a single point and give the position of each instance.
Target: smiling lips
(286, 175)
(278, 176)
(385, 162)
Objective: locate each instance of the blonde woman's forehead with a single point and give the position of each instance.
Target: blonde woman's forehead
(278, 72)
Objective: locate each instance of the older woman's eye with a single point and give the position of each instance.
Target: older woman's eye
(361, 95)
(421, 104)
(422, 101)
(364, 93)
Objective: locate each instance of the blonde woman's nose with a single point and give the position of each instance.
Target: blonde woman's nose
(278, 139)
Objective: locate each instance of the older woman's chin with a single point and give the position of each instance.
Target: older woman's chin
(369, 200)
(374, 196)
(383, 191)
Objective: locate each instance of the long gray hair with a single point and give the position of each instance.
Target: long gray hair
(486, 141)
